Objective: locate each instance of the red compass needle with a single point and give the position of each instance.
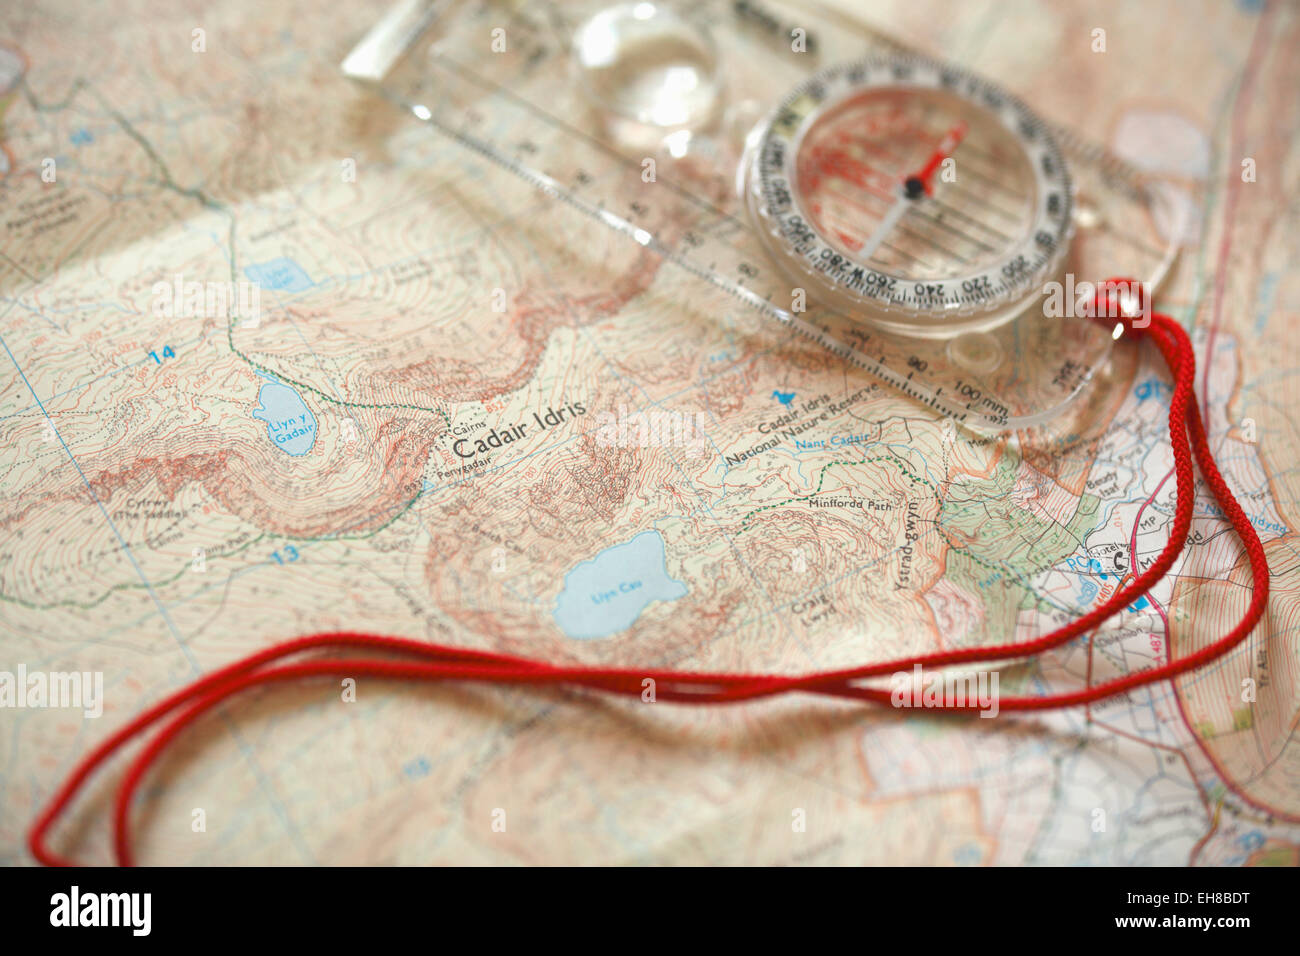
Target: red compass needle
(919, 181)
(913, 187)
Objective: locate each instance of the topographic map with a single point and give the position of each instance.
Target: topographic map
(407, 439)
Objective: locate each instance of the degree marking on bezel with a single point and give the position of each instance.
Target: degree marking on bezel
(814, 255)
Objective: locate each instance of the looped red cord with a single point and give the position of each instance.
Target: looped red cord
(433, 662)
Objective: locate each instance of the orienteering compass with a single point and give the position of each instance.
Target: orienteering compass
(910, 194)
(916, 212)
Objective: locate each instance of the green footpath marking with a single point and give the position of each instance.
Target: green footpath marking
(821, 478)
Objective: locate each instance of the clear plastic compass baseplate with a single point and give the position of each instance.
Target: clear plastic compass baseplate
(645, 119)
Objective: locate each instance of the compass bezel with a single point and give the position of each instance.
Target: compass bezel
(925, 306)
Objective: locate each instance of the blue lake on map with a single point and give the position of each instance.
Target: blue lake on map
(289, 422)
(606, 594)
(282, 275)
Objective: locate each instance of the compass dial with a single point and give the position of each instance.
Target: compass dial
(911, 194)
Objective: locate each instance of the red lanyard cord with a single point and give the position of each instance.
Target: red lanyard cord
(438, 663)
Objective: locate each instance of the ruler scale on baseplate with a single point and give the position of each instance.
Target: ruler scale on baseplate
(918, 208)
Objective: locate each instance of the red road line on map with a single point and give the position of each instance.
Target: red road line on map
(1216, 319)
(1132, 551)
(1200, 844)
(1133, 560)
(1230, 204)
(1168, 748)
